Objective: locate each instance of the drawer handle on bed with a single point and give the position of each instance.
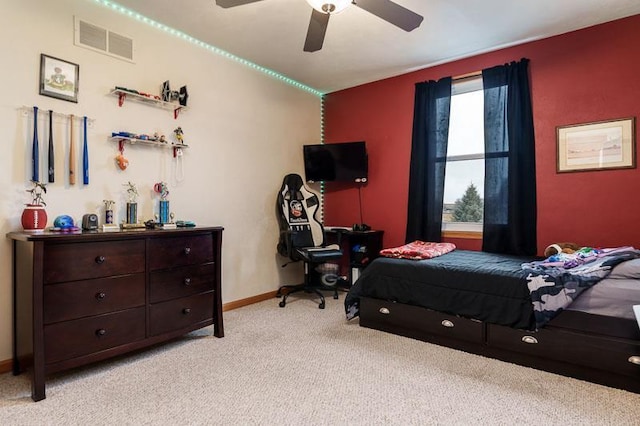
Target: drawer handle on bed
(447, 323)
(529, 339)
(635, 359)
(384, 311)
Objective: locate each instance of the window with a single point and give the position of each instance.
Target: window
(464, 178)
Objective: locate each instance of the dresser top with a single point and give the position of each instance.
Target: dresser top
(111, 235)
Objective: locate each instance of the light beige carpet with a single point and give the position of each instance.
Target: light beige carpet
(304, 366)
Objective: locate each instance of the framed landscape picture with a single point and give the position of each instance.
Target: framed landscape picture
(601, 145)
(59, 78)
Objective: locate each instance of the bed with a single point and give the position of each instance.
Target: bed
(481, 303)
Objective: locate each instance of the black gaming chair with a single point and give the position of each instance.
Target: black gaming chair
(302, 238)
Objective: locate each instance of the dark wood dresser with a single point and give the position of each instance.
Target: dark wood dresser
(85, 297)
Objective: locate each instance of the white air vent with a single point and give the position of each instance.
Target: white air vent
(92, 36)
(120, 46)
(102, 40)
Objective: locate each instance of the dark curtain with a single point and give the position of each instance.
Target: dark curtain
(510, 169)
(428, 160)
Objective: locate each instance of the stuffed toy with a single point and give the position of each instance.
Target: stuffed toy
(568, 248)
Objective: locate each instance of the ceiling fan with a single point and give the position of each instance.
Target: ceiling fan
(322, 9)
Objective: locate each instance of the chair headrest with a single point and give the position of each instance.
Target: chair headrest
(293, 181)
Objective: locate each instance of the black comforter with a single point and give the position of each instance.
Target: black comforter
(484, 286)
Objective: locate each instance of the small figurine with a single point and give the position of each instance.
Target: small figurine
(166, 91)
(183, 95)
(161, 188)
(162, 139)
(132, 192)
(36, 193)
(179, 135)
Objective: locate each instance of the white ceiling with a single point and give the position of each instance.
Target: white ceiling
(360, 47)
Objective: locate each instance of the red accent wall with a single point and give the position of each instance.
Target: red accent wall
(583, 76)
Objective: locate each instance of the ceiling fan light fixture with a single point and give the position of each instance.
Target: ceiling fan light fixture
(330, 7)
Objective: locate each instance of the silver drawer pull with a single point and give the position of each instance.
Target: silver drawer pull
(384, 311)
(187, 281)
(447, 323)
(187, 250)
(529, 339)
(635, 359)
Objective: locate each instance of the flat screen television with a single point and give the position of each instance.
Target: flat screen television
(339, 162)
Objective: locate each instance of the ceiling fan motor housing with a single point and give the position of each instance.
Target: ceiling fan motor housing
(329, 6)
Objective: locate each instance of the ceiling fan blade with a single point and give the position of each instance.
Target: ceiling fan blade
(391, 12)
(232, 3)
(315, 33)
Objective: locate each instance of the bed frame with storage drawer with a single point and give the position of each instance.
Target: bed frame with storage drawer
(85, 297)
(590, 347)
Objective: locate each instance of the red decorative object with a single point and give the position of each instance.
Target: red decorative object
(34, 217)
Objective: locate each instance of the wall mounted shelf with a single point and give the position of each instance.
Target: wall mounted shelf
(135, 141)
(158, 103)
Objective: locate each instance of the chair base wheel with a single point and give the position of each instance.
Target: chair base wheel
(321, 305)
(282, 304)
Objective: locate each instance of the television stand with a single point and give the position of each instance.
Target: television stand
(360, 247)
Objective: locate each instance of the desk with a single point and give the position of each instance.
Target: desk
(360, 248)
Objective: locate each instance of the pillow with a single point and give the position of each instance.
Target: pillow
(629, 269)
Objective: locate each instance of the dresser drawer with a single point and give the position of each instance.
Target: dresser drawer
(79, 299)
(170, 252)
(181, 282)
(81, 261)
(609, 354)
(393, 316)
(70, 339)
(180, 313)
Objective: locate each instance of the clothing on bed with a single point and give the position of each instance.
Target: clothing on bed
(418, 250)
(555, 284)
(485, 286)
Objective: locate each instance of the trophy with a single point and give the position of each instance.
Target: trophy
(108, 224)
(165, 218)
(132, 208)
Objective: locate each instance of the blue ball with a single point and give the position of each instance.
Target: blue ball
(64, 222)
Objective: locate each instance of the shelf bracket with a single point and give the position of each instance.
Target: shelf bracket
(121, 98)
(176, 112)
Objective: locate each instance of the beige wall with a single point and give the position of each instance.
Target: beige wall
(245, 131)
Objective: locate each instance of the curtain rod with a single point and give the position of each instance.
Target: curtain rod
(467, 76)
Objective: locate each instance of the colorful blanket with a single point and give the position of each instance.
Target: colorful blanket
(557, 281)
(418, 250)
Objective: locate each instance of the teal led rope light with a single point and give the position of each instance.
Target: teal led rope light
(213, 49)
(322, 142)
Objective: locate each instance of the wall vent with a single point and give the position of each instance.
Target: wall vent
(102, 40)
